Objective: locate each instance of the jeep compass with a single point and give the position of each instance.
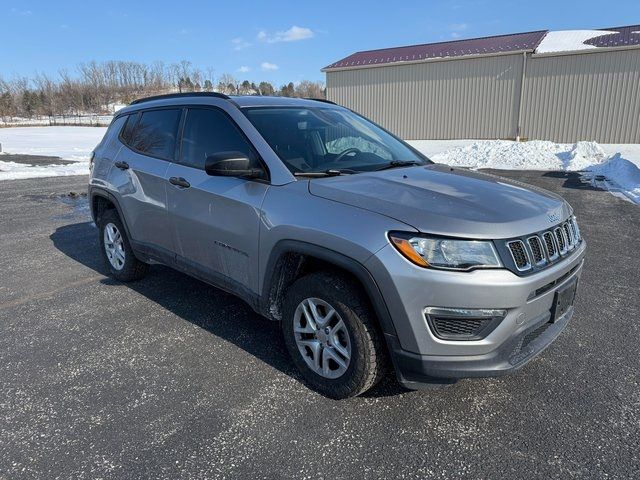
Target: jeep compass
(370, 256)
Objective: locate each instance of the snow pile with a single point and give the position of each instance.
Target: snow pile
(17, 171)
(618, 175)
(582, 155)
(569, 40)
(604, 165)
(533, 155)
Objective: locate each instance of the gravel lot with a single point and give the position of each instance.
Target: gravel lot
(171, 378)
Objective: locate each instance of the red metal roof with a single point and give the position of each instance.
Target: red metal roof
(627, 36)
(516, 42)
(476, 46)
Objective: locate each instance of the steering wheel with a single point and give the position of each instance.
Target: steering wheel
(346, 152)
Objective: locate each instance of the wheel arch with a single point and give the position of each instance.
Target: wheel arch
(291, 259)
(101, 200)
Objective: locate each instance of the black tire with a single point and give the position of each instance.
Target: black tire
(368, 360)
(133, 269)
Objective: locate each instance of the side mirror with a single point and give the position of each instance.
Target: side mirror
(231, 164)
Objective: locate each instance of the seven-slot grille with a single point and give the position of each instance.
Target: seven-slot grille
(544, 247)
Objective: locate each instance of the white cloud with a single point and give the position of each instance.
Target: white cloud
(268, 66)
(244, 69)
(239, 43)
(184, 31)
(22, 13)
(294, 34)
(456, 28)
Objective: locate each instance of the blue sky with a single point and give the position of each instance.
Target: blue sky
(275, 41)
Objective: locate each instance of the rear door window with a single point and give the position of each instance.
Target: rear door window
(155, 133)
(208, 131)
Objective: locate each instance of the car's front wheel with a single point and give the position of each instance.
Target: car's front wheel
(116, 250)
(329, 331)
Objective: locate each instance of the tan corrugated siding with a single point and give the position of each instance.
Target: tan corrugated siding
(581, 96)
(589, 96)
(470, 98)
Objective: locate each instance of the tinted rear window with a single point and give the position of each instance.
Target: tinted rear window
(155, 134)
(127, 131)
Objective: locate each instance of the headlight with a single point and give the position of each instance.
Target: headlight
(446, 253)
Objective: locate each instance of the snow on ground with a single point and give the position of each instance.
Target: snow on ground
(68, 143)
(569, 40)
(614, 167)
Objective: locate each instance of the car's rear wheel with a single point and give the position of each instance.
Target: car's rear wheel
(116, 249)
(329, 331)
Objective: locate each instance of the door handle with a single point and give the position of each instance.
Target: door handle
(122, 165)
(179, 182)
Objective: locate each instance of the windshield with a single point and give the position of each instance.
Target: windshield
(322, 139)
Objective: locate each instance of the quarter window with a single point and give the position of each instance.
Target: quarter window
(155, 134)
(208, 131)
(127, 131)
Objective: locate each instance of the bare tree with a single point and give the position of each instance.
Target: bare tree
(308, 89)
(96, 87)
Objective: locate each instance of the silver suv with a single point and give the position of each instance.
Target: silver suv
(368, 254)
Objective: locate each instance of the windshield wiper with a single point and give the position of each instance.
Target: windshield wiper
(398, 163)
(327, 173)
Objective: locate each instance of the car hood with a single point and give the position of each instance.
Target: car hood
(442, 200)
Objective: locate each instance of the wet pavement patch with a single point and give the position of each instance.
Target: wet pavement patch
(77, 201)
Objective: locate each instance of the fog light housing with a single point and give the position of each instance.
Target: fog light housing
(462, 324)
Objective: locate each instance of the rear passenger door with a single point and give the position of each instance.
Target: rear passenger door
(150, 139)
(215, 220)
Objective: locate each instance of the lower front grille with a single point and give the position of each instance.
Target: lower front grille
(522, 350)
(531, 336)
(462, 323)
(458, 327)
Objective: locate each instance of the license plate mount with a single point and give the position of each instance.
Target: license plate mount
(563, 300)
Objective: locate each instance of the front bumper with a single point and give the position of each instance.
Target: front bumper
(415, 370)
(420, 357)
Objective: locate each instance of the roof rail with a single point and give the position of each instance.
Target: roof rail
(180, 95)
(323, 100)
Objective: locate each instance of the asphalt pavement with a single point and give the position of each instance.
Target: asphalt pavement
(172, 378)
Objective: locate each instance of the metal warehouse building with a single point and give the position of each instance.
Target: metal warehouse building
(562, 86)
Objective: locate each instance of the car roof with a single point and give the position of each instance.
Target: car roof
(268, 101)
(240, 101)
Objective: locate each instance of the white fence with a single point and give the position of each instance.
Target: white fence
(79, 120)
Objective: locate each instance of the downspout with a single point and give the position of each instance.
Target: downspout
(522, 81)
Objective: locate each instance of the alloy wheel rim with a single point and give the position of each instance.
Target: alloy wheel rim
(322, 338)
(114, 246)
